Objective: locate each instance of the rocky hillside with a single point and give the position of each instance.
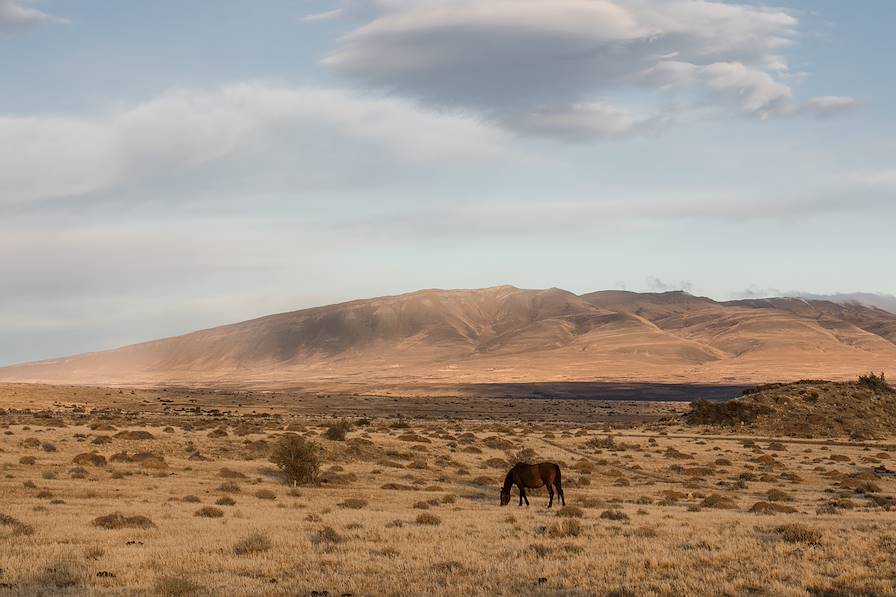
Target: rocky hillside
(863, 409)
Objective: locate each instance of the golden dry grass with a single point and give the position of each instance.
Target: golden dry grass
(651, 510)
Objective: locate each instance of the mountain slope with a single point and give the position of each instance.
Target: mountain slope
(505, 335)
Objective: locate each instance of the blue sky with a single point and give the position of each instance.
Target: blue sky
(168, 166)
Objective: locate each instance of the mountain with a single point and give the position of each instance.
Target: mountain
(887, 302)
(504, 335)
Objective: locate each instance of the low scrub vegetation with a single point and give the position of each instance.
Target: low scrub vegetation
(117, 520)
(254, 543)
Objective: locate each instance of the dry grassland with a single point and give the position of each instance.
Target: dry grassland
(97, 501)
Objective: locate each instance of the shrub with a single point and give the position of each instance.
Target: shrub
(209, 512)
(876, 383)
(298, 460)
(614, 515)
(225, 501)
(771, 508)
(27, 460)
(860, 485)
(776, 495)
(337, 431)
(329, 535)
(427, 518)
(117, 520)
(229, 487)
(176, 586)
(228, 473)
(717, 501)
(571, 512)
(137, 434)
(89, 458)
(568, 528)
(14, 526)
(190, 499)
(254, 543)
(265, 494)
(353, 503)
(798, 533)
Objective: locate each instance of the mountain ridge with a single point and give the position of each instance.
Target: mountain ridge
(504, 334)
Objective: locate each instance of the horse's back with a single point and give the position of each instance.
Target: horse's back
(548, 470)
(543, 472)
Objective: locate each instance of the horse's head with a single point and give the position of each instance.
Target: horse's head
(505, 497)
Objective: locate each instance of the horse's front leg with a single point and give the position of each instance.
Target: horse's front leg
(520, 487)
(523, 495)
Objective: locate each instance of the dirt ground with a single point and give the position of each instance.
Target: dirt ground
(408, 505)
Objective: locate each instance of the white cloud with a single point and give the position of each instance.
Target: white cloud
(523, 63)
(872, 180)
(259, 132)
(825, 105)
(15, 14)
(755, 90)
(322, 16)
(557, 217)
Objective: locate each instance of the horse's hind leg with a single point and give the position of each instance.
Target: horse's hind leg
(550, 495)
(523, 495)
(560, 492)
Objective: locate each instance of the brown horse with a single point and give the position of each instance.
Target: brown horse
(531, 476)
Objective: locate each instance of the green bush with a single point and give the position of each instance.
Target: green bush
(297, 459)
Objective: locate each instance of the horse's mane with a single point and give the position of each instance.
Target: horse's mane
(508, 480)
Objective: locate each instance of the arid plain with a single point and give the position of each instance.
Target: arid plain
(171, 492)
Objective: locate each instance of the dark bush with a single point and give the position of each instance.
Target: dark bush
(337, 431)
(876, 383)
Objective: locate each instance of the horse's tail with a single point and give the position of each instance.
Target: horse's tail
(558, 484)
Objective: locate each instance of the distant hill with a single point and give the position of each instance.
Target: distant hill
(505, 335)
(887, 302)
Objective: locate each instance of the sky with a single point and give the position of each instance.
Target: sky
(168, 166)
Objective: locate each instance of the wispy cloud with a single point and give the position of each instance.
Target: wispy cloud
(322, 16)
(18, 14)
(274, 136)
